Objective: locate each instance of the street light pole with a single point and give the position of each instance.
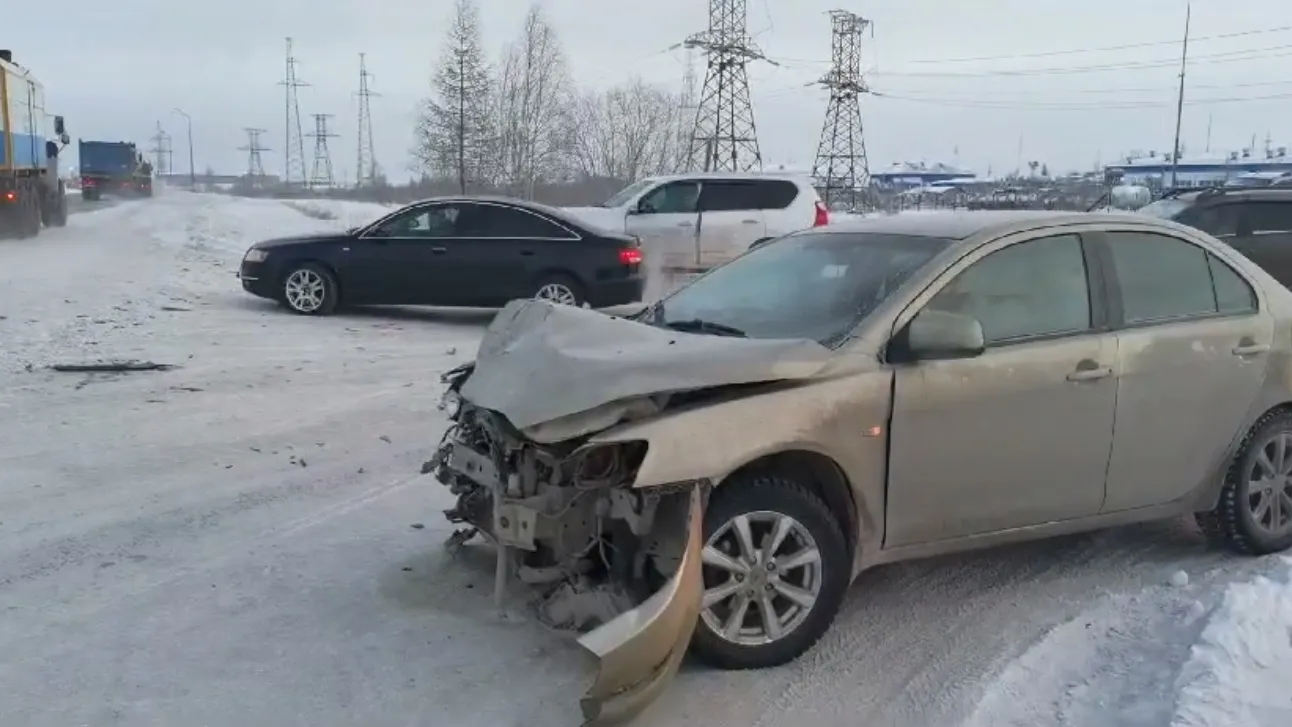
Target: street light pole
(192, 172)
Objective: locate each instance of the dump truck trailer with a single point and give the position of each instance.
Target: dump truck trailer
(113, 167)
(32, 195)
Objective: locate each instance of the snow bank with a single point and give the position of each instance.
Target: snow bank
(1240, 670)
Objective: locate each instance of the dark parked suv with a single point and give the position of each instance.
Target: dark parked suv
(1256, 222)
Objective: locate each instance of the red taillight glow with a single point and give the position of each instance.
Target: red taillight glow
(630, 256)
(822, 215)
(10, 196)
(87, 182)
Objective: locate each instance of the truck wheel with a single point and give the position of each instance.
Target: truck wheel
(776, 566)
(59, 216)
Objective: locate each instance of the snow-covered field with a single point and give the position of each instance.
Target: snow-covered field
(244, 540)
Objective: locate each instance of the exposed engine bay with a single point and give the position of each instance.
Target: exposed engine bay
(563, 515)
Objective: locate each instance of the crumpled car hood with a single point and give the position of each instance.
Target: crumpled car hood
(541, 361)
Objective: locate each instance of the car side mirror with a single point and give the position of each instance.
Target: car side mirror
(935, 334)
(633, 211)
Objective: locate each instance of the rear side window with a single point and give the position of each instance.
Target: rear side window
(1161, 277)
(1233, 294)
(728, 195)
(1268, 216)
(775, 194)
(497, 221)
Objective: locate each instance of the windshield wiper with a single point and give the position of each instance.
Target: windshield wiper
(695, 325)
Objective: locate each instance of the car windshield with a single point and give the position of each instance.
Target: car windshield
(815, 285)
(1165, 209)
(625, 195)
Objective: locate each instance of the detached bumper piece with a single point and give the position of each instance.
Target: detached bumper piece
(639, 651)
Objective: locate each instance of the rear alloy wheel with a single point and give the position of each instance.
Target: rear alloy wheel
(775, 567)
(310, 290)
(560, 289)
(1254, 515)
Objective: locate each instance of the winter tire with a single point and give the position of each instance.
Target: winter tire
(560, 289)
(310, 290)
(1254, 514)
(59, 216)
(775, 567)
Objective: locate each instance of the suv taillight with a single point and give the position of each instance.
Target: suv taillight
(822, 215)
(630, 256)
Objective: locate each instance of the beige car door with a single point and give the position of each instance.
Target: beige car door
(1191, 358)
(1021, 434)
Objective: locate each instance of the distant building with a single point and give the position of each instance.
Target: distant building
(1204, 170)
(909, 175)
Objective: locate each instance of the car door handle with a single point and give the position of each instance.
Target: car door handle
(1250, 349)
(686, 224)
(526, 253)
(749, 222)
(1090, 374)
(439, 250)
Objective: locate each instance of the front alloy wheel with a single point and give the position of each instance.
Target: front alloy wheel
(766, 576)
(310, 290)
(775, 566)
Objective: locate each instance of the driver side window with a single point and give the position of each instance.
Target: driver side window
(1030, 289)
(671, 198)
(430, 222)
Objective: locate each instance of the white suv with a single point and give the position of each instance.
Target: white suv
(703, 219)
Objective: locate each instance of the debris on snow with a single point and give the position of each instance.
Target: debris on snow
(111, 367)
(580, 606)
(1179, 579)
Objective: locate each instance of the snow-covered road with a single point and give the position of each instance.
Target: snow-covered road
(244, 540)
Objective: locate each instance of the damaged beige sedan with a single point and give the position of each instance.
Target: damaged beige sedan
(717, 469)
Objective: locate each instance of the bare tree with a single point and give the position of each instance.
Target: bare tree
(533, 90)
(455, 132)
(624, 133)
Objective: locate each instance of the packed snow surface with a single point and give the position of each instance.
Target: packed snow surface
(244, 540)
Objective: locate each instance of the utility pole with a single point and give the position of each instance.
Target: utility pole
(321, 177)
(365, 170)
(1179, 102)
(687, 108)
(294, 156)
(724, 137)
(841, 167)
(255, 164)
(192, 171)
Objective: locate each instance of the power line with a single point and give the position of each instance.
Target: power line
(1109, 91)
(1277, 51)
(1105, 49)
(1082, 106)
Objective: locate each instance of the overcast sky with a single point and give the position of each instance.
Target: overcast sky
(115, 69)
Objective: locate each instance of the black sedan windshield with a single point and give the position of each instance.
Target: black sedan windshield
(814, 285)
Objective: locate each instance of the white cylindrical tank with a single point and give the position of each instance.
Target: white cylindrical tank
(1129, 196)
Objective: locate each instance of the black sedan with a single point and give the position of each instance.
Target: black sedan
(452, 251)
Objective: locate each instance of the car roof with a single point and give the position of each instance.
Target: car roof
(1242, 193)
(800, 179)
(960, 225)
(553, 212)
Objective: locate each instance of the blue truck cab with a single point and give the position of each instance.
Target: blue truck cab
(113, 167)
(32, 195)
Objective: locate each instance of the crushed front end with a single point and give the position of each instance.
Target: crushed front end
(619, 565)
